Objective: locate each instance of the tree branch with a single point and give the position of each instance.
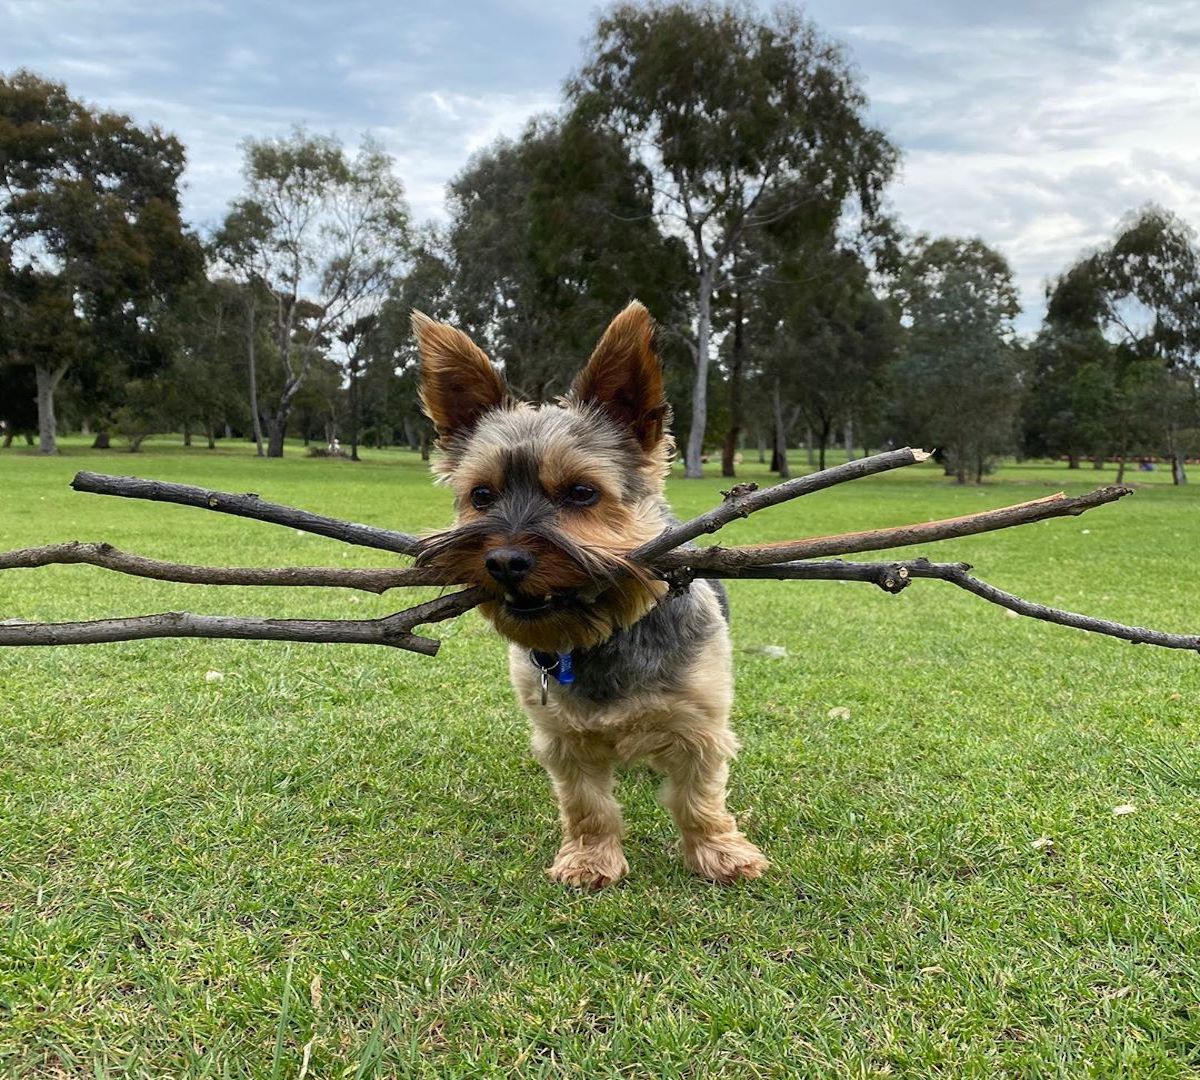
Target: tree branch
(784, 561)
(895, 577)
(394, 630)
(248, 506)
(744, 500)
(376, 579)
(719, 558)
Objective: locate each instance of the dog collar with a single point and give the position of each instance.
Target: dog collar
(560, 665)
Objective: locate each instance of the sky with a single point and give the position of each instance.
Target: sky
(1032, 124)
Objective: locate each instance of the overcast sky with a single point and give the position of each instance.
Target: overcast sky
(1033, 124)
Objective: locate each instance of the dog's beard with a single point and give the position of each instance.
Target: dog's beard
(575, 597)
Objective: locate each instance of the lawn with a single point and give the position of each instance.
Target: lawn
(330, 857)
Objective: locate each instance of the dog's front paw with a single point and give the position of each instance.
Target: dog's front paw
(725, 859)
(589, 866)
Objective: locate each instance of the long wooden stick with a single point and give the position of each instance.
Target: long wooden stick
(248, 505)
(393, 630)
(664, 555)
(894, 577)
(373, 579)
(813, 547)
(744, 500)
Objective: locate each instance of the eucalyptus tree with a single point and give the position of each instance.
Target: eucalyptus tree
(726, 107)
(92, 246)
(325, 236)
(1142, 292)
(956, 384)
(549, 235)
(821, 340)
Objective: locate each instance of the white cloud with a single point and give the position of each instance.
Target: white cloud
(1033, 126)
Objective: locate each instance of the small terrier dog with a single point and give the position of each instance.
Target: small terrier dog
(609, 664)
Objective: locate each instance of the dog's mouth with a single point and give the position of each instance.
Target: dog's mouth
(518, 605)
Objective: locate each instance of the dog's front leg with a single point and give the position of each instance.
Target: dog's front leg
(697, 769)
(582, 770)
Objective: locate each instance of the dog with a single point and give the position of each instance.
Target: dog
(610, 665)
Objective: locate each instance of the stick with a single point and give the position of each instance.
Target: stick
(376, 580)
(248, 506)
(718, 558)
(894, 577)
(1137, 635)
(394, 630)
(771, 561)
(745, 499)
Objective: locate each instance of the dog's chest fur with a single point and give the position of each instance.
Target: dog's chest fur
(671, 664)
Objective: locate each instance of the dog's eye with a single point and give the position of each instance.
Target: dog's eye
(581, 495)
(482, 497)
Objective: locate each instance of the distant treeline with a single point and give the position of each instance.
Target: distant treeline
(715, 162)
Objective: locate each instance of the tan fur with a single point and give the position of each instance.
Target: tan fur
(624, 377)
(458, 381)
(684, 734)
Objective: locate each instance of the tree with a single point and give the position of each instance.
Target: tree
(1071, 405)
(956, 384)
(18, 403)
(823, 340)
(324, 236)
(549, 235)
(91, 242)
(1142, 292)
(725, 109)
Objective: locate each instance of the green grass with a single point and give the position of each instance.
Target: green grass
(341, 848)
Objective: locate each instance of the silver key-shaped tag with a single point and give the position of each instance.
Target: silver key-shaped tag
(545, 684)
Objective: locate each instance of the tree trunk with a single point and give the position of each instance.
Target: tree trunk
(354, 405)
(210, 432)
(276, 430)
(251, 360)
(102, 441)
(822, 443)
(425, 441)
(410, 432)
(693, 468)
(8, 437)
(810, 449)
(1178, 473)
(729, 451)
(47, 382)
(848, 438)
(1098, 462)
(187, 434)
(781, 461)
(1121, 469)
(1072, 461)
(762, 445)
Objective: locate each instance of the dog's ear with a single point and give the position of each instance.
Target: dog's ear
(624, 376)
(458, 382)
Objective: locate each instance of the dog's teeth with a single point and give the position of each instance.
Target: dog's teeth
(509, 597)
(548, 597)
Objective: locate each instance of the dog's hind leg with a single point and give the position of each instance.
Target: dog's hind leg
(697, 768)
(581, 768)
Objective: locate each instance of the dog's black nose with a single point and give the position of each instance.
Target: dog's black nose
(509, 565)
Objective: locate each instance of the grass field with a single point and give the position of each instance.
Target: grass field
(333, 855)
